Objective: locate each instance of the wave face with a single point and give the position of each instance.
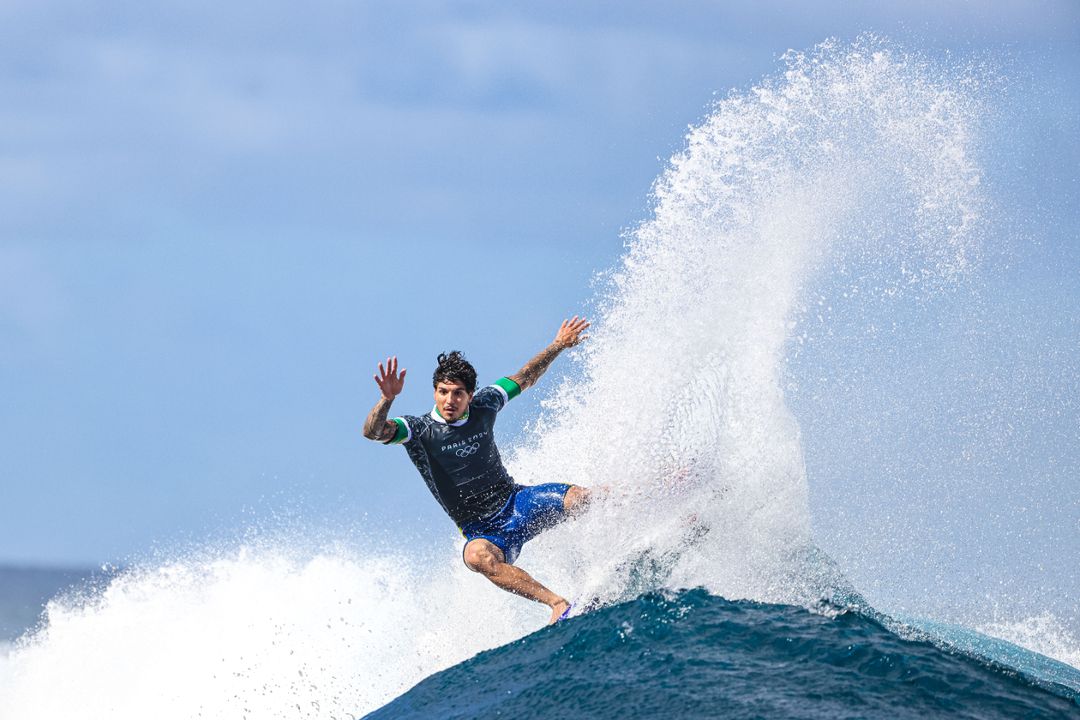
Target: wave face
(694, 655)
(855, 153)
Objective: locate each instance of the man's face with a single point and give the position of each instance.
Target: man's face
(452, 400)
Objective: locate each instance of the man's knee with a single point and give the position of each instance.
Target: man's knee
(482, 556)
(576, 500)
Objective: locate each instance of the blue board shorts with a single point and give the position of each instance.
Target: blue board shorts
(531, 510)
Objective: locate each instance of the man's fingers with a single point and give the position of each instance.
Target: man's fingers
(570, 331)
(402, 378)
(579, 326)
(390, 367)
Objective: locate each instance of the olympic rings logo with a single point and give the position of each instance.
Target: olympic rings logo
(467, 451)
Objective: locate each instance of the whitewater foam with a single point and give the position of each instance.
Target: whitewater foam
(251, 632)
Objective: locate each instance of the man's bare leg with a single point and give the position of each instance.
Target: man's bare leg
(577, 499)
(487, 559)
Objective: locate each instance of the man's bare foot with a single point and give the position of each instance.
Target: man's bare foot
(557, 610)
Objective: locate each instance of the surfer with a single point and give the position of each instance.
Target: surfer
(453, 448)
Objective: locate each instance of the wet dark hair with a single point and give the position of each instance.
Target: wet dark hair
(453, 367)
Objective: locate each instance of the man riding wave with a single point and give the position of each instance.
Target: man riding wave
(453, 448)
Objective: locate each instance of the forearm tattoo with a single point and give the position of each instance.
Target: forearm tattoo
(536, 367)
(376, 426)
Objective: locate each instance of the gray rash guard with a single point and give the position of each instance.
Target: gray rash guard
(459, 461)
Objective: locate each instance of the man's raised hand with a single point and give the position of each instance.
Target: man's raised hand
(568, 336)
(570, 331)
(388, 380)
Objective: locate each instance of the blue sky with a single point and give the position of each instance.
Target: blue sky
(215, 220)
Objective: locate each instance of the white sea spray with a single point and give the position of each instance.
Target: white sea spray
(854, 151)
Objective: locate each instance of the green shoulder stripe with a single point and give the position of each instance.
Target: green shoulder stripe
(402, 433)
(512, 388)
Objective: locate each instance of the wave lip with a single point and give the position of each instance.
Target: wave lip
(692, 654)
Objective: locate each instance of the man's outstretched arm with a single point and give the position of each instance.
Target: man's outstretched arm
(568, 336)
(377, 427)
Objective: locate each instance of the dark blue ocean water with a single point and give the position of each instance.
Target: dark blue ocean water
(693, 655)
